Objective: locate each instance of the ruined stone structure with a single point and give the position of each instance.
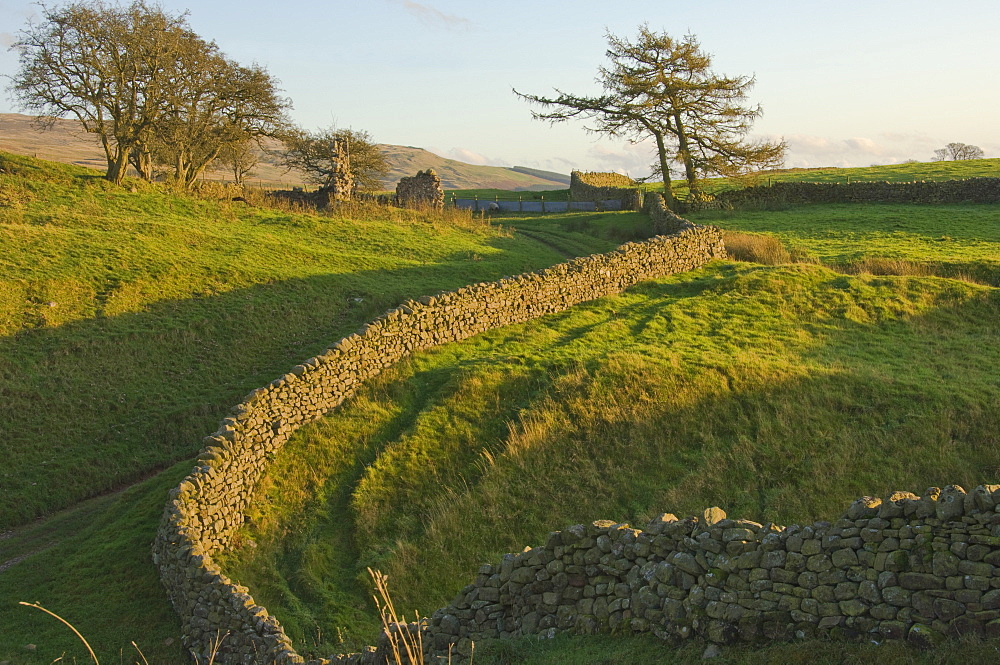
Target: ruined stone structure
(421, 191)
(341, 187)
(602, 186)
(207, 508)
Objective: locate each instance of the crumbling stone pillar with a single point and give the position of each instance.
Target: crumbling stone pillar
(421, 190)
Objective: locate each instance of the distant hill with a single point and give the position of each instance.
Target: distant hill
(65, 142)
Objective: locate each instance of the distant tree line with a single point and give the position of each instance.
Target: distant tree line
(160, 97)
(958, 151)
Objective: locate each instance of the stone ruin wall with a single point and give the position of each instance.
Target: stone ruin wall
(603, 186)
(971, 190)
(421, 190)
(209, 505)
(907, 568)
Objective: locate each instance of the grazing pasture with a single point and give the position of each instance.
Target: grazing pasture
(846, 359)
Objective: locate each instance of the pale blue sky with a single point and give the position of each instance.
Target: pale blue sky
(846, 84)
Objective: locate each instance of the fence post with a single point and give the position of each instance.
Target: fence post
(476, 202)
(520, 204)
(543, 203)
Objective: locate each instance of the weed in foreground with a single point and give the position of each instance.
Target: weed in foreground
(211, 657)
(401, 638)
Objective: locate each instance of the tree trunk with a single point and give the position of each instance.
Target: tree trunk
(682, 142)
(142, 160)
(117, 166)
(661, 152)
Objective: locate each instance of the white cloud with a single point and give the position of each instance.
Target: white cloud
(431, 16)
(629, 158)
(806, 150)
(7, 40)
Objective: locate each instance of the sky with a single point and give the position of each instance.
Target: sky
(844, 84)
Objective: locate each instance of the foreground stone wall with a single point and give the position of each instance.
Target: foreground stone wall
(206, 509)
(602, 186)
(915, 568)
(971, 190)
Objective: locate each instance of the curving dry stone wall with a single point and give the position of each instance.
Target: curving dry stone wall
(210, 504)
(915, 568)
(662, 218)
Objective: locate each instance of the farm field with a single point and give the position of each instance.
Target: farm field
(908, 172)
(780, 393)
(742, 385)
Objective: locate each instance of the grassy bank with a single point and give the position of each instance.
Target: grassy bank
(944, 240)
(778, 393)
(130, 322)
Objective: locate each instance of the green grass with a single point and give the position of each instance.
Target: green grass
(167, 310)
(779, 393)
(909, 172)
(948, 240)
(130, 322)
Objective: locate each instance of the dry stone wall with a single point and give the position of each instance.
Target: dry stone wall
(971, 190)
(602, 186)
(907, 568)
(663, 219)
(206, 509)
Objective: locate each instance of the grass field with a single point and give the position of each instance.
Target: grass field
(132, 321)
(780, 393)
(909, 172)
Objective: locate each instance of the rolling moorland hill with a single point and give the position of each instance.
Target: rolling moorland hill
(64, 142)
(841, 357)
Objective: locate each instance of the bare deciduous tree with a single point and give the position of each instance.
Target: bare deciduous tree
(319, 155)
(105, 65)
(958, 151)
(144, 83)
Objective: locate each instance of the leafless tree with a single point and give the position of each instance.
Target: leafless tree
(958, 151)
(141, 80)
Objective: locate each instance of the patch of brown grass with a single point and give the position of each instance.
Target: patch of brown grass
(755, 248)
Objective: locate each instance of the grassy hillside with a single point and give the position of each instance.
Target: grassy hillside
(909, 172)
(64, 142)
(779, 393)
(130, 321)
(407, 160)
